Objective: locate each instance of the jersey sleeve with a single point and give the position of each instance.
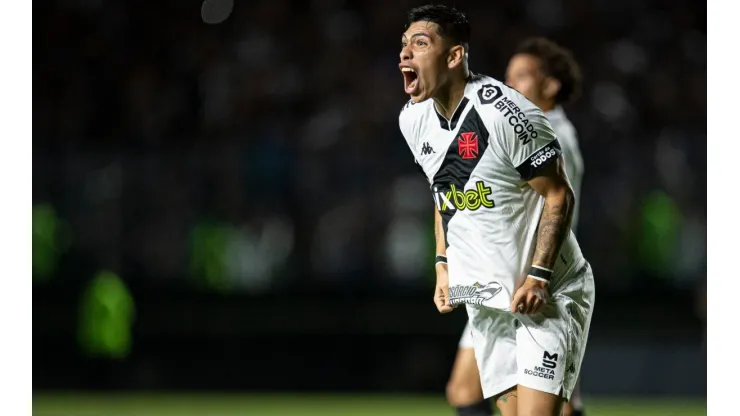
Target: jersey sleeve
(408, 130)
(406, 123)
(525, 137)
(571, 157)
(573, 166)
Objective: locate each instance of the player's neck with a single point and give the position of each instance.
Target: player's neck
(447, 99)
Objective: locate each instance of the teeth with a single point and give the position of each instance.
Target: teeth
(406, 69)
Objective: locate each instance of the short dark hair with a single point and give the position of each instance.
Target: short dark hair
(453, 24)
(557, 62)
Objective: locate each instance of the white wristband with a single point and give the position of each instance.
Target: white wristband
(538, 278)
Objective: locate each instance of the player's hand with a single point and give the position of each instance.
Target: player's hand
(442, 290)
(531, 297)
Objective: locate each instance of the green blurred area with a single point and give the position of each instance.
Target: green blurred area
(661, 229)
(106, 316)
(46, 246)
(315, 405)
(208, 247)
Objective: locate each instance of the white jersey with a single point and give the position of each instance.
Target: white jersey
(478, 164)
(568, 140)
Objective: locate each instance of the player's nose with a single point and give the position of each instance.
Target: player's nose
(405, 54)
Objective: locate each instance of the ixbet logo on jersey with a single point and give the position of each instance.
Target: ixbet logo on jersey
(456, 199)
(474, 294)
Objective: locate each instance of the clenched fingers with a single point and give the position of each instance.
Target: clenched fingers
(442, 300)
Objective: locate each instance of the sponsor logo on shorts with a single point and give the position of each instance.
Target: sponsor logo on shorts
(550, 361)
(474, 294)
(541, 372)
(547, 371)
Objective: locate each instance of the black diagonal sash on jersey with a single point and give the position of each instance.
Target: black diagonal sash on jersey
(460, 160)
(455, 117)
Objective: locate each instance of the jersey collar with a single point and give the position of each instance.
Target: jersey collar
(452, 123)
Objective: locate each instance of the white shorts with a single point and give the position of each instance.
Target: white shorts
(542, 352)
(466, 340)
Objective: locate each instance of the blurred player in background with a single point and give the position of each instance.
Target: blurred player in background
(548, 76)
(504, 207)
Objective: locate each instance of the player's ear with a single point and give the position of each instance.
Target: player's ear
(551, 87)
(455, 56)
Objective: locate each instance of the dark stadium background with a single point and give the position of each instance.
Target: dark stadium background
(231, 208)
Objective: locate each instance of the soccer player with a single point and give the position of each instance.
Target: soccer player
(504, 205)
(547, 75)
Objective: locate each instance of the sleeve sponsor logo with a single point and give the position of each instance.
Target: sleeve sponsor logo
(543, 155)
(524, 130)
(530, 166)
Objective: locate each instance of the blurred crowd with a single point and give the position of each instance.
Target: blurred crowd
(263, 153)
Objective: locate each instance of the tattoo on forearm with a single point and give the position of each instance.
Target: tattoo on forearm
(553, 227)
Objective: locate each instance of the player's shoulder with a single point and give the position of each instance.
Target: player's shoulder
(562, 125)
(483, 89)
(504, 110)
(412, 109)
(412, 113)
(557, 116)
(491, 97)
(410, 118)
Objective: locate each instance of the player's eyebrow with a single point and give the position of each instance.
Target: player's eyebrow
(417, 34)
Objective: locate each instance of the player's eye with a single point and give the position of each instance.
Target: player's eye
(420, 43)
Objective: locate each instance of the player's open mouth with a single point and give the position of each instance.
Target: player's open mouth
(411, 80)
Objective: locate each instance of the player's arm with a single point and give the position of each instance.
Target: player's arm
(525, 137)
(439, 234)
(441, 291)
(552, 183)
(539, 160)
